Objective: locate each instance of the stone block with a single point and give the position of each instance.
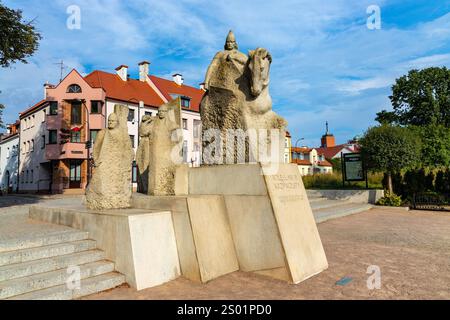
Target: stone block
(140, 242)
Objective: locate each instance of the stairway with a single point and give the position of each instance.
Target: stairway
(36, 267)
(325, 209)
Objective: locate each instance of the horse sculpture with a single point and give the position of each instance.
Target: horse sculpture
(238, 98)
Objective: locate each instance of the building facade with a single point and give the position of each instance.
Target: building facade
(310, 161)
(34, 167)
(287, 148)
(9, 159)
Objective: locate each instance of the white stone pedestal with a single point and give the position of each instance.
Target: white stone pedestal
(140, 242)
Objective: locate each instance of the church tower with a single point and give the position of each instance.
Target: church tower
(328, 139)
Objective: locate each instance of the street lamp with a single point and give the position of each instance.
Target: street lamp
(296, 143)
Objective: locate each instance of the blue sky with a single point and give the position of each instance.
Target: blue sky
(327, 65)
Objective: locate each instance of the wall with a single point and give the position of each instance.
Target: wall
(9, 160)
(32, 159)
(355, 196)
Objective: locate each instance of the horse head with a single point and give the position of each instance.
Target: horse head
(259, 65)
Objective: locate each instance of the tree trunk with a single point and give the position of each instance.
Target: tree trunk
(390, 187)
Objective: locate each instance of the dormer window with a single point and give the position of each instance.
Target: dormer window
(185, 102)
(74, 88)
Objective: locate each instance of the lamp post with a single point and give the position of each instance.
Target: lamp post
(298, 140)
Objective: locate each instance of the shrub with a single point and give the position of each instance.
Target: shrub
(334, 181)
(391, 200)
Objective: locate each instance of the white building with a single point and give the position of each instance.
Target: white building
(9, 159)
(34, 168)
(310, 161)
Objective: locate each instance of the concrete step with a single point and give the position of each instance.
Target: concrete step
(39, 241)
(88, 286)
(19, 270)
(322, 215)
(45, 280)
(24, 255)
(325, 203)
(317, 199)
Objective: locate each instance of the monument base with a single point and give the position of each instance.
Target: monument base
(243, 217)
(140, 242)
(225, 218)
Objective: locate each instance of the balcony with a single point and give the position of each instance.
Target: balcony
(66, 151)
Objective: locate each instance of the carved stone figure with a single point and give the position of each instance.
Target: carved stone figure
(143, 153)
(164, 150)
(238, 95)
(110, 187)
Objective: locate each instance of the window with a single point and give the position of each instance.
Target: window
(185, 151)
(197, 126)
(75, 136)
(31, 176)
(53, 108)
(74, 88)
(185, 102)
(75, 114)
(26, 177)
(196, 147)
(44, 114)
(23, 177)
(43, 142)
(24, 124)
(94, 134)
(148, 113)
(96, 107)
(7, 154)
(32, 120)
(131, 115)
(32, 146)
(52, 137)
(185, 124)
(24, 148)
(286, 158)
(134, 173)
(132, 140)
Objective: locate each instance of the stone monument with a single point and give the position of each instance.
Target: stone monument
(238, 97)
(143, 153)
(110, 187)
(204, 222)
(164, 147)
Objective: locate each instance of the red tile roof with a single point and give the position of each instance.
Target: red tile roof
(332, 151)
(301, 150)
(31, 109)
(307, 163)
(168, 87)
(325, 163)
(131, 90)
(301, 162)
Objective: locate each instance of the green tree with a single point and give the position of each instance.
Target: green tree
(435, 152)
(390, 149)
(421, 98)
(18, 40)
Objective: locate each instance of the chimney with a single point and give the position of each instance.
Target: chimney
(178, 79)
(122, 71)
(47, 86)
(202, 86)
(144, 68)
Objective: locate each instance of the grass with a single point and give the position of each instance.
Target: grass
(334, 181)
